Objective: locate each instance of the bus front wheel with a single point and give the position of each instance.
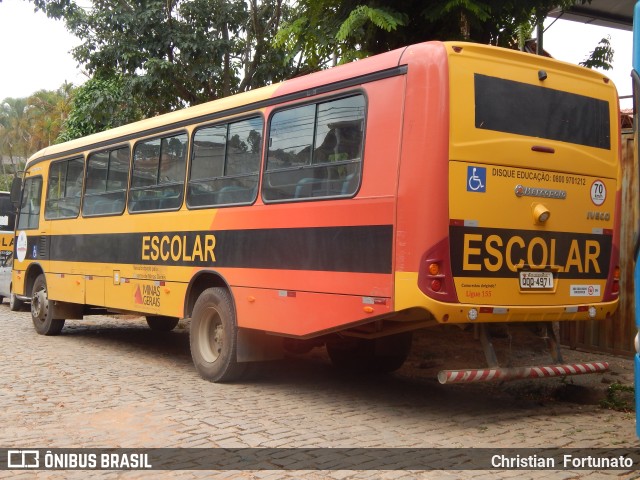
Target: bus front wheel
(41, 311)
(380, 355)
(162, 324)
(213, 336)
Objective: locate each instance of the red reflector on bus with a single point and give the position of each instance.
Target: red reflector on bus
(486, 309)
(540, 148)
(615, 287)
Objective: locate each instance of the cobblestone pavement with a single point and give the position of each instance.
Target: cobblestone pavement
(110, 383)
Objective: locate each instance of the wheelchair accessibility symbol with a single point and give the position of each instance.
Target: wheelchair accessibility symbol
(476, 179)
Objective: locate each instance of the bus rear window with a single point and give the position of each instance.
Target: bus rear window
(523, 109)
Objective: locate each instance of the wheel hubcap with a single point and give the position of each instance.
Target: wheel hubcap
(211, 335)
(39, 305)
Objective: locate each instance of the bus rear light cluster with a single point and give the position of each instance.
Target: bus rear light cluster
(434, 272)
(434, 277)
(615, 285)
(612, 288)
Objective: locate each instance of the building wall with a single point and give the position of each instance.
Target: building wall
(617, 334)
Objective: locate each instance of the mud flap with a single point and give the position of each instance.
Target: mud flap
(257, 346)
(67, 311)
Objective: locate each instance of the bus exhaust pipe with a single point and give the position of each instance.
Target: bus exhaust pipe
(518, 373)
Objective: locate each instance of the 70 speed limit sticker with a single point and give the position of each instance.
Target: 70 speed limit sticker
(598, 192)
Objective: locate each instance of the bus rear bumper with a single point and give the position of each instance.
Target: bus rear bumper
(408, 295)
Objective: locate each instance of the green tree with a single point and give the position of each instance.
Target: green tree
(97, 105)
(30, 124)
(601, 56)
(15, 134)
(47, 111)
(326, 32)
(174, 53)
(322, 29)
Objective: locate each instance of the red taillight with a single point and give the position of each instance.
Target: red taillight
(612, 288)
(436, 285)
(615, 284)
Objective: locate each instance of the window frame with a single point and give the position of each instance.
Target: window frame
(316, 101)
(126, 188)
(162, 136)
(227, 122)
(67, 160)
(40, 214)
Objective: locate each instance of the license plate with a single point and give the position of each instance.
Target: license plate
(536, 280)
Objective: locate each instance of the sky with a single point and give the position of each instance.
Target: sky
(35, 51)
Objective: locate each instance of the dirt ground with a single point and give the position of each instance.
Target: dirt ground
(451, 348)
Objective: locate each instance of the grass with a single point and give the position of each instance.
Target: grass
(620, 398)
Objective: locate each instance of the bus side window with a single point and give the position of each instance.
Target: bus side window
(302, 164)
(64, 189)
(225, 164)
(157, 178)
(106, 182)
(30, 204)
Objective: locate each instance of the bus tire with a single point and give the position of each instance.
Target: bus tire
(41, 311)
(160, 323)
(380, 355)
(15, 304)
(213, 336)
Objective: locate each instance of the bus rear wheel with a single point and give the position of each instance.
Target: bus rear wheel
(379, 355)
(41, 311)
(213, 336)
(162, 324)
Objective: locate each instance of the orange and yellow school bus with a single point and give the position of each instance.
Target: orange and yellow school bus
(442, 183)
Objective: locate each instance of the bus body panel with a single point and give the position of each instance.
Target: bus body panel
(422, 186)
(497, 236)
(490, 231)
(584, 209)
(472, 143)
(337, 253)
